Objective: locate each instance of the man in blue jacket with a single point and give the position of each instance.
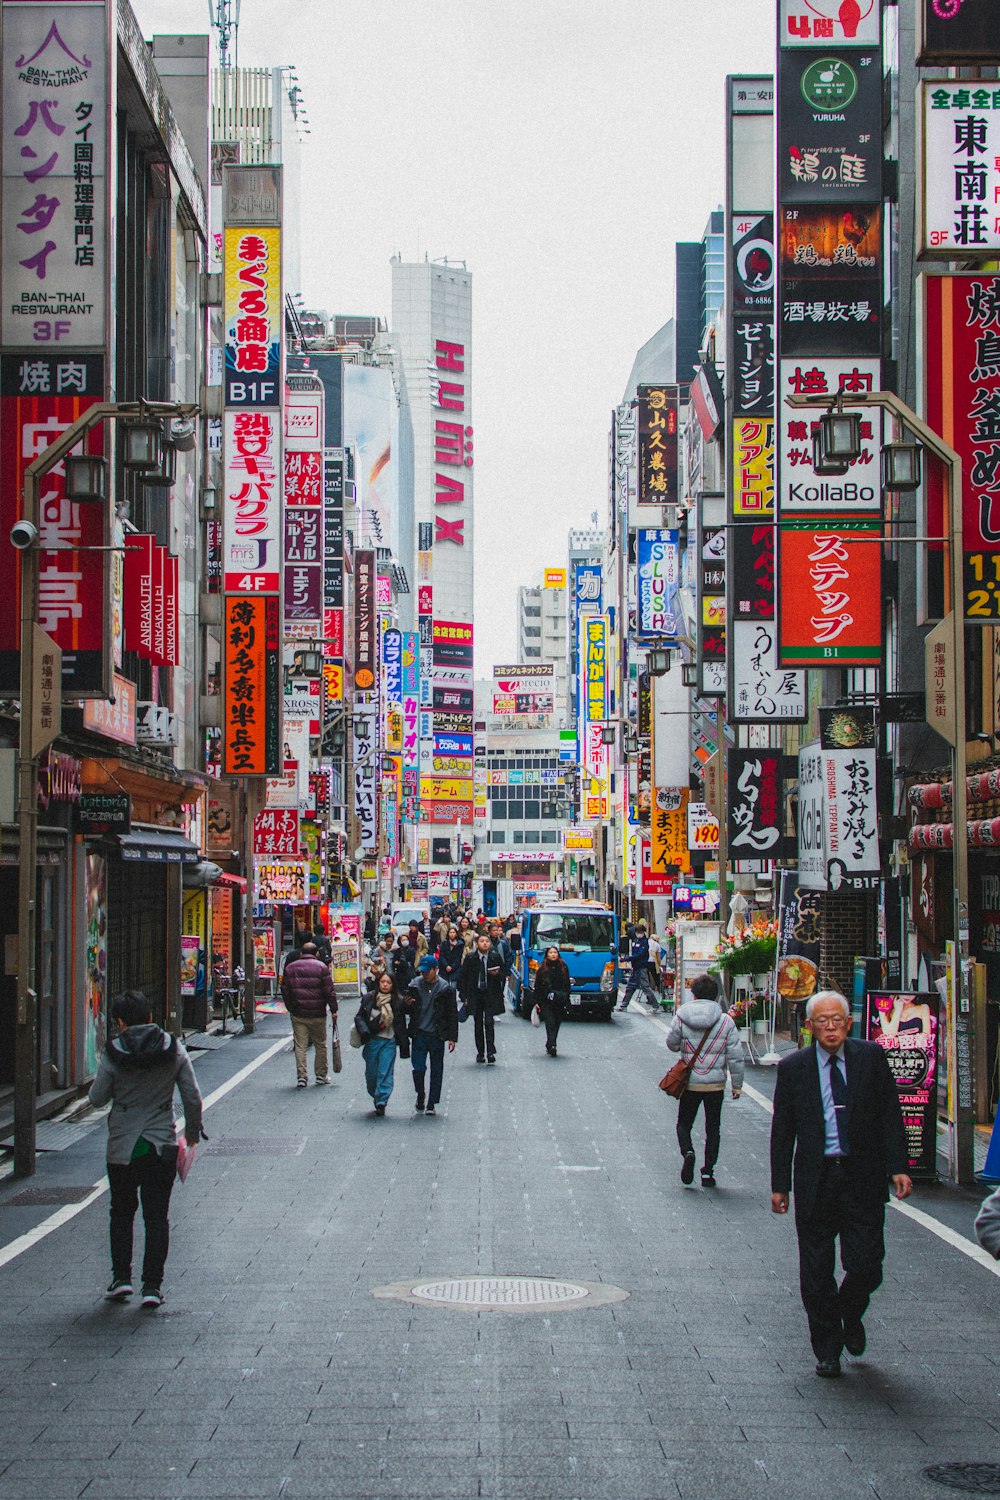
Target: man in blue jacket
(639, 979)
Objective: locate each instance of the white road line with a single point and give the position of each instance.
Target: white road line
(63, 1215)
(950, 1236)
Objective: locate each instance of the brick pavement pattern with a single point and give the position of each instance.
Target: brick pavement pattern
(273, 1370)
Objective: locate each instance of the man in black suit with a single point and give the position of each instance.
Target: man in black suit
(836, 1108)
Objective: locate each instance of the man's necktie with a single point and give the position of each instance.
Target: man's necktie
(838, 1088)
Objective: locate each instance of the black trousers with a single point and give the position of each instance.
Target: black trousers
(686, 1112)
(551, 1012)
(862, 1249)
(152, 1178)
(482, 1014)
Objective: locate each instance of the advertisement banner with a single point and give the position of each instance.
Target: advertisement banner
(961, 398)
(40, 395)
(283, 882)
(959, 169)
(800, 487)
(830, 595)
(253, 316)
(251, 687)
(831, 280)
(452, 643)
(658, 449)
(702, 828)
(251, 501)
(137, 595)
(850, 822)
(392, 665)
(906, 1025)
(753, 366)
(587, 587)
(812, 811)
(797, 959)
(752, 261)
(756, 795)
(303, 572)
(265, 966)
(365, 627)
(56, 113)
(829, 125)
(657, 584)
(652, 881)
(554, 578)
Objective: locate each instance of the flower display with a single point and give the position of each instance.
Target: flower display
(751, 951)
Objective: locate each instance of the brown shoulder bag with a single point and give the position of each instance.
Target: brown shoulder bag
(675, 1081)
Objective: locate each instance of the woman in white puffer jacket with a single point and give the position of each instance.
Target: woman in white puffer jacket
(703, 1017)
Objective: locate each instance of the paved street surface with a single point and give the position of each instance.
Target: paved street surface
(273, 1370)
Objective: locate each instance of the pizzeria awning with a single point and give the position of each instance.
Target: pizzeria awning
(162, 846)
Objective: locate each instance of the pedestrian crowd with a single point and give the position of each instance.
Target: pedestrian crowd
(837, 1138)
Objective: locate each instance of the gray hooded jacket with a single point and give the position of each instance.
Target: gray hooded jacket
(138, 1072)
(988, 1224)
(723, 1050)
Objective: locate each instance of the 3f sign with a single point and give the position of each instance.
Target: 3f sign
(45, 331)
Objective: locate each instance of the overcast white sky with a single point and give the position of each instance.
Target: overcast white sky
(559, 147)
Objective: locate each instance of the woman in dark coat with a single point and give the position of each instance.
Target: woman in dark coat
(450, 955)
(402, 964)
(551, 995)
(382, 1015)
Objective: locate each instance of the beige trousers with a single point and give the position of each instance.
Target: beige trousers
(305, 1031)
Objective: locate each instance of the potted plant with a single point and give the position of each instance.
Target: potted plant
(744, 1010)
(751, 951)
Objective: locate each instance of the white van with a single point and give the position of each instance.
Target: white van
(403, 915)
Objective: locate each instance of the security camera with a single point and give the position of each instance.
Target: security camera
(23, 534)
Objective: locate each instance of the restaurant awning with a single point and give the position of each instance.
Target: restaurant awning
(235, 882)
(157, 845)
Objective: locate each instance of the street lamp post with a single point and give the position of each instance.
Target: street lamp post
(25, 537)
(963, 1127)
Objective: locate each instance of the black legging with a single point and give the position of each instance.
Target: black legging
(688, 1109)
(551, 1011)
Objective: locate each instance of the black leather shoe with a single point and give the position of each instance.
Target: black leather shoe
(480, 1058)
(829, 1369)
(854, 1339)
(687, 1170)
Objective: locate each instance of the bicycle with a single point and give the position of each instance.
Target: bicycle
(231, 996)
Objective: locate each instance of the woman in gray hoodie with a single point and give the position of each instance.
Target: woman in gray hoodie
(703, 1017)
(138, 1072)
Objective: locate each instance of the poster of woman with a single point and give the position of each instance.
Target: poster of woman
(905, 1025)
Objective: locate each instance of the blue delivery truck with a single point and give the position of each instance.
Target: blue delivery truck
(586, 934)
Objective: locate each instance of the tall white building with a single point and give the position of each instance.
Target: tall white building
(541, 631)
(432, 328)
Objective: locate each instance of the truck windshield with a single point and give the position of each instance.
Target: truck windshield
(576, 932)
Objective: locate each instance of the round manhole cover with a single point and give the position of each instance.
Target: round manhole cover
(973, 1479)
(503, 1293)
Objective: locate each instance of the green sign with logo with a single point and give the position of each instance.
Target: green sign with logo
(829, 84)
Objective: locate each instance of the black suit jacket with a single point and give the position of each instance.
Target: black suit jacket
(874, 1127)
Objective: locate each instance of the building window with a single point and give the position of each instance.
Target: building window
(518, 836)
(550, 836)
(497, 836)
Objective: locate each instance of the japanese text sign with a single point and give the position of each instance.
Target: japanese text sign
(55, 143)
(658, 451)
(251, 501)
(251, 739)
(830, 595)
(960, 169)
(756, 803)
(253, 317)
(276, 832)
(657, 583)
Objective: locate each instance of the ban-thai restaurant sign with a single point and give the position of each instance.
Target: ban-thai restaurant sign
(961, 343)
(251, 702)
(829, 594)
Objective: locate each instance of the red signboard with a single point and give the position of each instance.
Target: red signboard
(830, 595)
(41, 395)
(137, 602)
(276, 831)
(170, 587)
(961, 336)
(251, 704)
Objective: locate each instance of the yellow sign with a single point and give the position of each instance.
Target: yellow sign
(753, 466)
(668, 831)
(577, 839)
(333, 678)
(555, 578)
(445, 789)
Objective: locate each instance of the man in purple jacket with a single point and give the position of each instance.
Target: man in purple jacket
(308, 992)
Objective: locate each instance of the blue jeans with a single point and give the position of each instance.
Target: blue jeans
(380, 1064)
(427, 1045)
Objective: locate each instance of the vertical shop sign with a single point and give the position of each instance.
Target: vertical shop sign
(251, 501)
(58, 102)
(847, 745)
(800, 487)
(830, 595)
(761, 691)
(753, 466)
(365, 626)
(658, 449)
(253, 319)
(829, 124)
(959, 169)
(756, 803)
(366, 771)
(831, 280)
(333, 529)
(668, 831)
(40, 395)
(657, 583)
(251, 722)
(961, 337)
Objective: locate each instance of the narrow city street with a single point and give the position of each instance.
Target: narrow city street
(277, 1367)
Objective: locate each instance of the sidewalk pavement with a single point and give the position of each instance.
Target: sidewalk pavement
(273, 1370)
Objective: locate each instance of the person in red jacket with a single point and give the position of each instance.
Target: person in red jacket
(308, 992)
